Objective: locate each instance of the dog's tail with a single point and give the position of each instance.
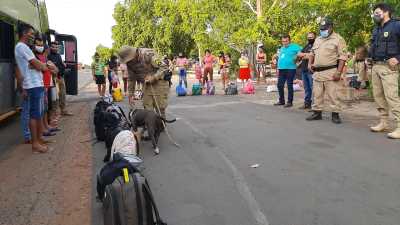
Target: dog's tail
(168, 121)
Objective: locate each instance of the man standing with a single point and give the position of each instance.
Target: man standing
(32, 84)
(287, 69)
(55, 57)
(385, 53)
(306, 74)
(327, 60)
(144, 65)
(98, 72)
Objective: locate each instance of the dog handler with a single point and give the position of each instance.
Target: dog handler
(144, 65)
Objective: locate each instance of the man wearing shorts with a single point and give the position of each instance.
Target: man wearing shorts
(32, 84)
(98, 71)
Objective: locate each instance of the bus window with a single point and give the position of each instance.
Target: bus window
(6, 41)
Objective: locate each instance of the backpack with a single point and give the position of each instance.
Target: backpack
(98, 120)
(196, 89)
(249, 88)
(181, 89)
(210, 88)
(232, 89)
(126, 195)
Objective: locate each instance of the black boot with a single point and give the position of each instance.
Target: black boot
(317, 115)
(335, 118)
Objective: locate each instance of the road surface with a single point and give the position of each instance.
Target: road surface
(309, 173)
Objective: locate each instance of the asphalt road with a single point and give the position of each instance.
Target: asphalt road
(309, 173)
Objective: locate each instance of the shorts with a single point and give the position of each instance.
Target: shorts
(260, 67)
(36, 104)
(100, 79)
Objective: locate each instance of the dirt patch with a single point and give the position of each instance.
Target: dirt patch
(52, 188)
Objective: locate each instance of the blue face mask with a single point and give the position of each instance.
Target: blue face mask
(324, 33)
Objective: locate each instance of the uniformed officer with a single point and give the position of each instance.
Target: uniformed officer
(385, 54)
(326, 61)
(144, 65)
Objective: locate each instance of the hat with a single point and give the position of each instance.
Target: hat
(325, 23)
(127, 53)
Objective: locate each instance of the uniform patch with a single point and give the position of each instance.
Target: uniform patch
(386, 34)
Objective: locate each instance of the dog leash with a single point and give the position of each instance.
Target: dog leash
(165, 126)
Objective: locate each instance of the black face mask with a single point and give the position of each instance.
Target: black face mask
(311, 41)
(377, 19)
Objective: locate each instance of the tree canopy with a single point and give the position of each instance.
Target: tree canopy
(191, 26)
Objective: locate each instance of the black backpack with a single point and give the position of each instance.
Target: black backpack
(98, 119)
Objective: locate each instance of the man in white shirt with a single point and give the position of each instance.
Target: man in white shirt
(32, 84)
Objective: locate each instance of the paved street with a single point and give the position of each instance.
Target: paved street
(309, 173)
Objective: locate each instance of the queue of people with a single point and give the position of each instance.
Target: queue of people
(39, 75)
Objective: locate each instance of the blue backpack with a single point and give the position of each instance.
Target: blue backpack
(181, 89)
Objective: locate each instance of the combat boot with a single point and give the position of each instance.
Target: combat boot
(335, 118)
(317, 115)
(382, 126)
(396, 133)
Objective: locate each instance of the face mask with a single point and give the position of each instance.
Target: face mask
(39, 49)
(324, 33)
(311, 41)
(378, 18)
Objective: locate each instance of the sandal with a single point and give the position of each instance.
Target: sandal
(48, 134)
(39, 150)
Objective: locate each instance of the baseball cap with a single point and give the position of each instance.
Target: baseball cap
(325, 23)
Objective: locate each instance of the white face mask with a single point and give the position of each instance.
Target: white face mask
(39, 49)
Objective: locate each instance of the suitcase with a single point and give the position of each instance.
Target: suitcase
(231, 89)
(129, 201)
(196, 89)
(181, 89)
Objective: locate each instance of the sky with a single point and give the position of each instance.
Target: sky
(89, 20)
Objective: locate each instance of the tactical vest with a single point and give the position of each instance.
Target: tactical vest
(386, 41)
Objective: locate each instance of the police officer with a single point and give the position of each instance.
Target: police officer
(145, 66)
(326, 61)
(385, 54)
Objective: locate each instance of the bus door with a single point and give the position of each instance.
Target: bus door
(7, 68)
(68, 51)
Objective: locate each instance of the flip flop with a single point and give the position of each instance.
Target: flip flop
(48, 134)
(54, 129)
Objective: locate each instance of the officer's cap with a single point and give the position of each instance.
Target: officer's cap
(325, 23)
(127, 53)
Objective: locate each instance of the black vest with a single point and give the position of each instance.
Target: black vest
(385, 43)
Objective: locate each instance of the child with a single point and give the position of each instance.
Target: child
(197, 71)
(244, 71)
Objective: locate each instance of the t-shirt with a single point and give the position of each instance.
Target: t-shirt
(208, 61)
(304, 62)
(181, 62)
(287, 56)
(243, 62)
(32, 78)
(98, 68)
(47, 82)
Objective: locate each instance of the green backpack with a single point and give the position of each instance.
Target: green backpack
(196, 89)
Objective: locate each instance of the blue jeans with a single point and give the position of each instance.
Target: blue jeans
(286, 76)
(308, 85)
(25, 119)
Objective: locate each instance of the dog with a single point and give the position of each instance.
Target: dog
(150, 121)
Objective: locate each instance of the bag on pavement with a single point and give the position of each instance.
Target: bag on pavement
(232, 89)
(117, 95)
(249, 88)
(126, 195)
(210, 88)
(196, 89)
(181, 89)
(98, 120)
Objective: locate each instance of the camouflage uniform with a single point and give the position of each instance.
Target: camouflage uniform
(144, 64)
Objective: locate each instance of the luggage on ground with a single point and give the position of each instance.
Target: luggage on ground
(181, 89)
(117, 94)
(210, 88)
(99, 125)
(249, 88)
(232, 89)
(196, 89)
(126, 195)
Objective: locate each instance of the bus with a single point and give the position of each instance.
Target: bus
(34, 13)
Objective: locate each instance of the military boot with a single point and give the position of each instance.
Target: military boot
(382, 126)
(335, 118)
(396, 133)
(317, 115)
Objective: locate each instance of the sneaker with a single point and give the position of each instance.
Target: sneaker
(288, 105)
(279, 103)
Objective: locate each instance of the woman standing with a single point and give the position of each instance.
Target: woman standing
(244, 71)
(208, 63)
(222, 62)
(261, 59)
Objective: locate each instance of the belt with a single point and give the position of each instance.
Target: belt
(323, 68)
